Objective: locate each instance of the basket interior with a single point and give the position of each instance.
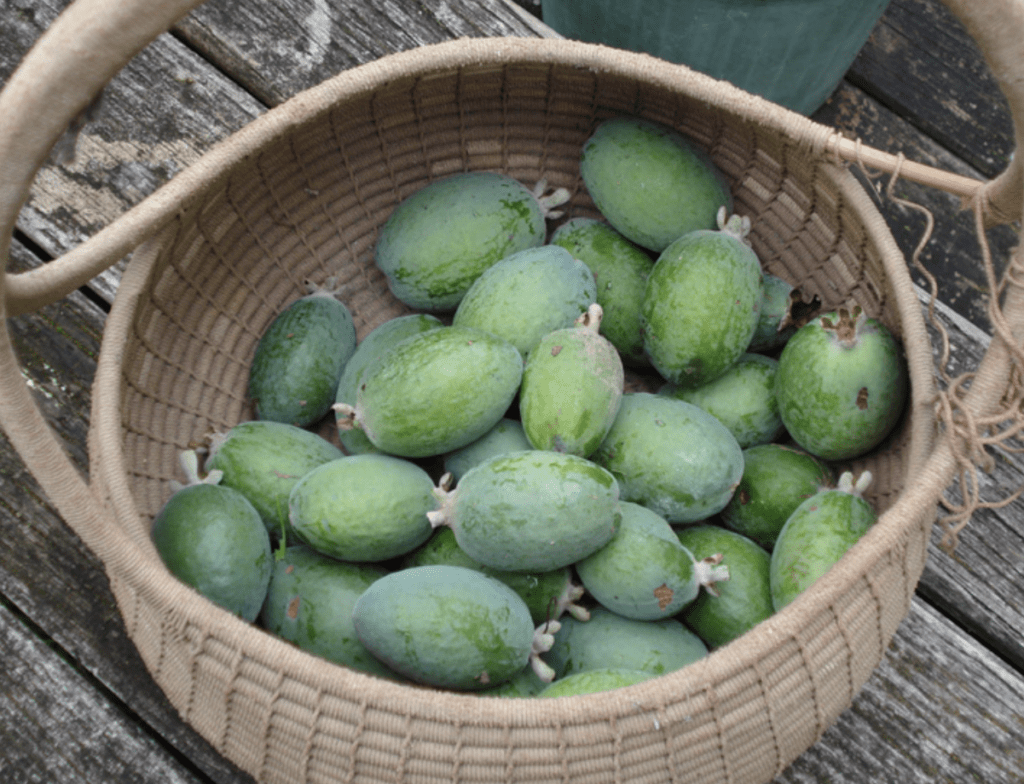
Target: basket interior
(309, 205)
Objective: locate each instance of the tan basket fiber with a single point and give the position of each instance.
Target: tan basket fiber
(300, 193)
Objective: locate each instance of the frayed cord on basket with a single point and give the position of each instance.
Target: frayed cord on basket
(969, 435)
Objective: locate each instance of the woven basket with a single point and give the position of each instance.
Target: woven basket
(301, 193)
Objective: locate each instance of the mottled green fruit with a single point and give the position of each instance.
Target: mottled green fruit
(293, 377)
(446, 626)
(380, 340)
(650, 182)
(742, 399)
(841, 385)
(783, 311)
(310, 602)
(531, 511)
(506, 436)
(263, 460)
(571, 389)
(526, 295)
(363, 507)
(744, 600)
(435, 392)
(211, 538)
(441, 238)
(817, 535)
(620, 269)
(548, 594)
(644, 572)
(593, 681)
(776, 480)
(702, 304)
(609, 640)
(671, 456)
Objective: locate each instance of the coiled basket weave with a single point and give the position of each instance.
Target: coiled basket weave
(300, 194)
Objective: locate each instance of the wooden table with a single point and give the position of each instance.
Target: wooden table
(76, 704)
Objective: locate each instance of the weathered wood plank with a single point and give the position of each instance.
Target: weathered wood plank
(158, 115)
(940, 708)
(56, 726)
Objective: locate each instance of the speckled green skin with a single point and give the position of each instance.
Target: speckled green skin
(442, 237)
(213, 539)
(293, 377)
(814, 538)
(446, 626)
(775, 306)
(620, 269)
(742, 399)
(643, 573)
(650, 182)
(506, 436)
(701, 306)
(540, 590)
(526, 295)
(310, 602)
(776, 480)
(363, 507)
(744, 600)
(263, 460)
(608, 640)
(671, 456)
(533, 511)
(593, 681)
(437, 391)
(526, 684)
(571, 390)
(838, 401)
(380, 340)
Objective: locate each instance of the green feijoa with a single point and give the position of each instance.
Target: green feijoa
(446, 626)
(435, 392)
(211, 538)
(609, 640)
(593, 681)
(368, 507)
(740, 603)
(671, 456)
(650, 182)
(776, 479)
(548, 594)
(817, 535)
(643, 572)
(783, 312)
(506, 436)
(294, 373)
(440, 239)
(742, 399)
(526, 295)
(841, 385)
(263, 460)
(702, 303)
(378, 341)
(620, 269)
(310, 602)
(571, 389)
(531, 511)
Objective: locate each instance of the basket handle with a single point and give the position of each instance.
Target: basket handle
(68, 66)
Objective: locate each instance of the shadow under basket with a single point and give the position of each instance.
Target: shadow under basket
(300, 194)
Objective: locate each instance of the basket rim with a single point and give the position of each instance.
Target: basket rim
(118, 552)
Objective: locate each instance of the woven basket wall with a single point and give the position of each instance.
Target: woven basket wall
(300, 195)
